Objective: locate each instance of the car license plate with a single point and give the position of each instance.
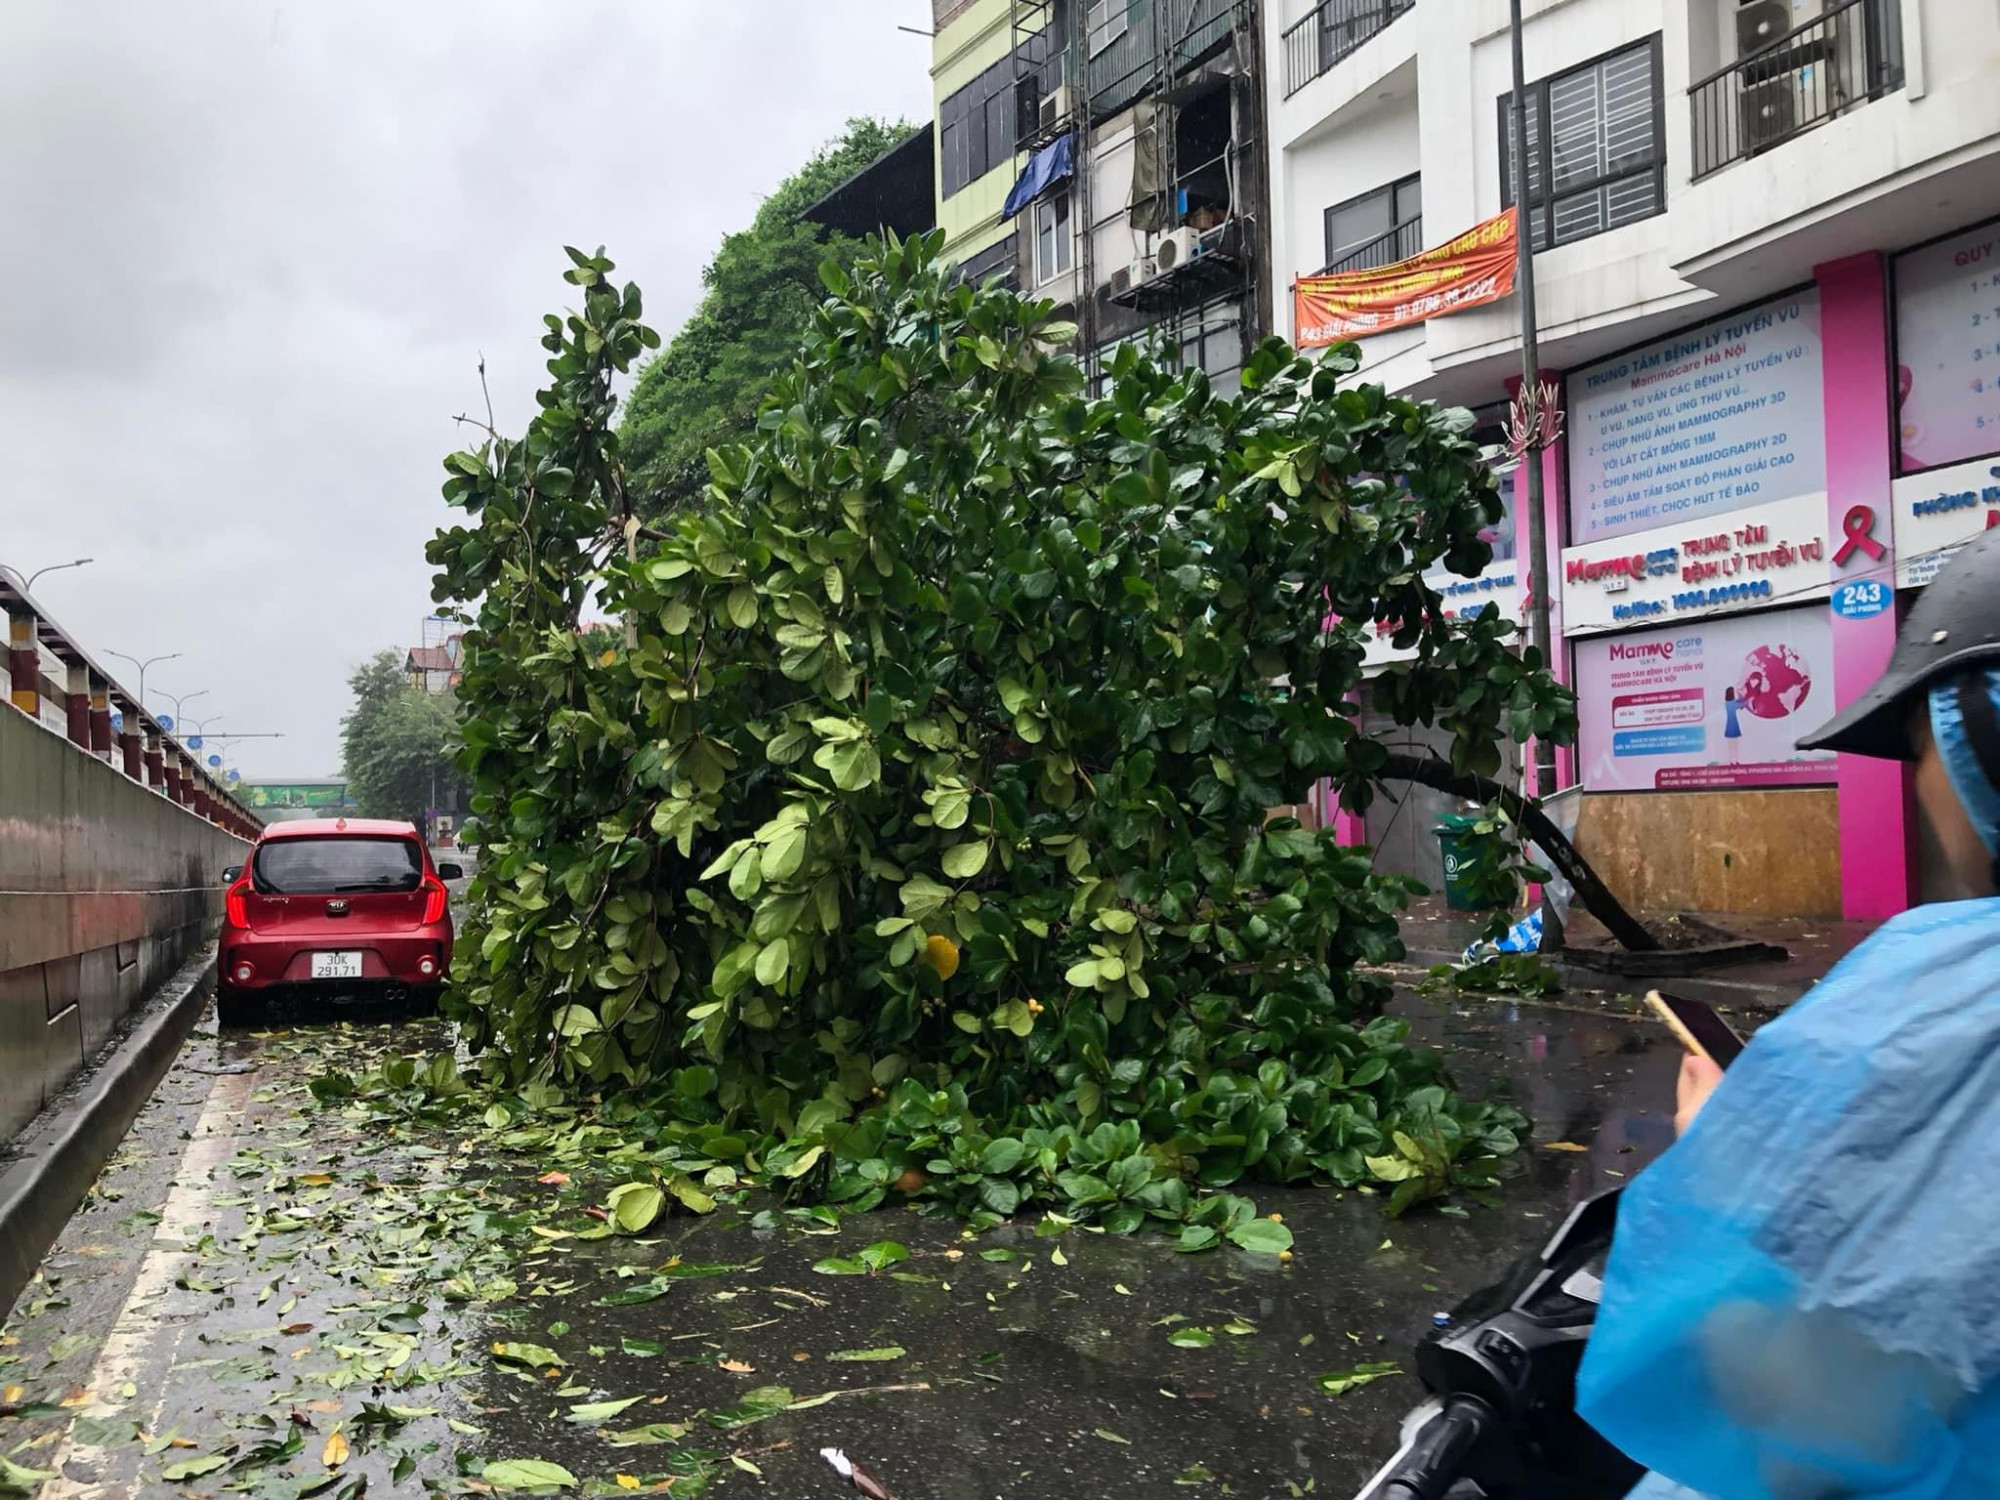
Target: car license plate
(336, 966)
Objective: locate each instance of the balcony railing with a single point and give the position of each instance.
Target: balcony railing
(1333, 30)
(1848, 56)
(1385, 249)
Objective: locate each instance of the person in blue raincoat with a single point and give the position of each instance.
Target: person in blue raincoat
(1803, 1297)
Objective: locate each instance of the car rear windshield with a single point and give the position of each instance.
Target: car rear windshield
(288, 867)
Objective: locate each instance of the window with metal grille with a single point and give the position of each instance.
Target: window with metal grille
(1605, 163)
(1106, 23)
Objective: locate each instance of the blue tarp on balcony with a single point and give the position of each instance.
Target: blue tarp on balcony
(1054, 163)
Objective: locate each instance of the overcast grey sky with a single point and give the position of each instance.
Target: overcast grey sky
(251, 252)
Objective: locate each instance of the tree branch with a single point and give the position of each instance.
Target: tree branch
(1592, 893)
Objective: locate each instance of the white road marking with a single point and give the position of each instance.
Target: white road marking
(137, 1333)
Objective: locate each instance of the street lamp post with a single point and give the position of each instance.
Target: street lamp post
(56, 568)
(1531, 455)
(150, 661)
(183, 698)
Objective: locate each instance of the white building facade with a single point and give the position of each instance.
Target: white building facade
(1767, 234)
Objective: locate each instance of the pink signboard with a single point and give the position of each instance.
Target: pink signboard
(1713, 704)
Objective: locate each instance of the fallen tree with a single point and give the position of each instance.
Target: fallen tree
(1591, 893)
(908, 833)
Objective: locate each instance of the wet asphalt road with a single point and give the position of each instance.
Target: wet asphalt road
(264, 1298)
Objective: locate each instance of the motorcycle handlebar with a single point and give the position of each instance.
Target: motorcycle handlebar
(1433, 1459)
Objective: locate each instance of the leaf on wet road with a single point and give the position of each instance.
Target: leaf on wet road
(103, 1432)
(1109, 1436)
(189, 1468)
(644, 1348)
(868, 1356)
(531, 1474)
(271, 1451)
(1341, 1382)
(1261, 1237)
(554, 1179)
(634, 1205)
(652, 1432)
(1563, 1146)
(590, 1413)
(633, 1296)
(1190, 1338)
(763, 1402)
(537, 1355)
(334, 1454)
(736, 1366)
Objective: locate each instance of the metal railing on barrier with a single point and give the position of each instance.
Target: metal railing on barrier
(140, 746)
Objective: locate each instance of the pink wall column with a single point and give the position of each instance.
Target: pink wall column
(1878, 863)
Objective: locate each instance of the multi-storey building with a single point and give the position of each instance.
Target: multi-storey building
(1766, 242)
(1129, 136)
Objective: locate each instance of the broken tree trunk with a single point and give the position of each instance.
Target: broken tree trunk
(1591, 893)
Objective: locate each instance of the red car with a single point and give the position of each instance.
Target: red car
(338, 906)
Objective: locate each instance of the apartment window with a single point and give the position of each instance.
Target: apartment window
(1605, 165)
(1376, 228)
(1107, 22)
(1055, 243)
(998, 259)
(1212, 340)
(976, 127)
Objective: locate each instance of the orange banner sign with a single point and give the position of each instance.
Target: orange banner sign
(1475, 268)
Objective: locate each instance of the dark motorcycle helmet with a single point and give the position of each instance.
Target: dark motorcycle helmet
(1953, 631)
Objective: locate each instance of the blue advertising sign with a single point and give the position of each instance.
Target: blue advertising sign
(216, 761)
(194, 742)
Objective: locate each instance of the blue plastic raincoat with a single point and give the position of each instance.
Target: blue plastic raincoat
(1803, 1300)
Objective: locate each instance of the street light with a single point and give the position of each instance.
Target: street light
(177, 702)
(142, 665)
(56, 568)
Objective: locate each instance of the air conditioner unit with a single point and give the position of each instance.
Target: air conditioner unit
(1768, 113)
(1761, 22)
(1177, 247)
(1055, 106)
(1138, 273)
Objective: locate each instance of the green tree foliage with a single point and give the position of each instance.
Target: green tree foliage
(763, 286)
(923, 824)
(397, 742)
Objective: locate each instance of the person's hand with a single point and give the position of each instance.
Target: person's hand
(1698, 1079)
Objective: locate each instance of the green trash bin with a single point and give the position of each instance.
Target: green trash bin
(1461, 865)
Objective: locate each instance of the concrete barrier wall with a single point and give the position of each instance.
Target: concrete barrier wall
(106, 887)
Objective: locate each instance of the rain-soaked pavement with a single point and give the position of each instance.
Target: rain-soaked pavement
(270, 1299)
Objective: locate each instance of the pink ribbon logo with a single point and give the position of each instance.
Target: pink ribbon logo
(1859, 525)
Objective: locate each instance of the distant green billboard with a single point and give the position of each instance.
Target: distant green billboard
(330, 796)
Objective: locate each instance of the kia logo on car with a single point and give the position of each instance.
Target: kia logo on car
(336, 908)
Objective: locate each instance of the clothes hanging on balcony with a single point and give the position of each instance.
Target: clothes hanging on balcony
(1054, 163)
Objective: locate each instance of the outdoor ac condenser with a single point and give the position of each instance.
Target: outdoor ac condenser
(1176, 248)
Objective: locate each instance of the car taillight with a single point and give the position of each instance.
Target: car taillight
(236, 903)
(436, 898)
